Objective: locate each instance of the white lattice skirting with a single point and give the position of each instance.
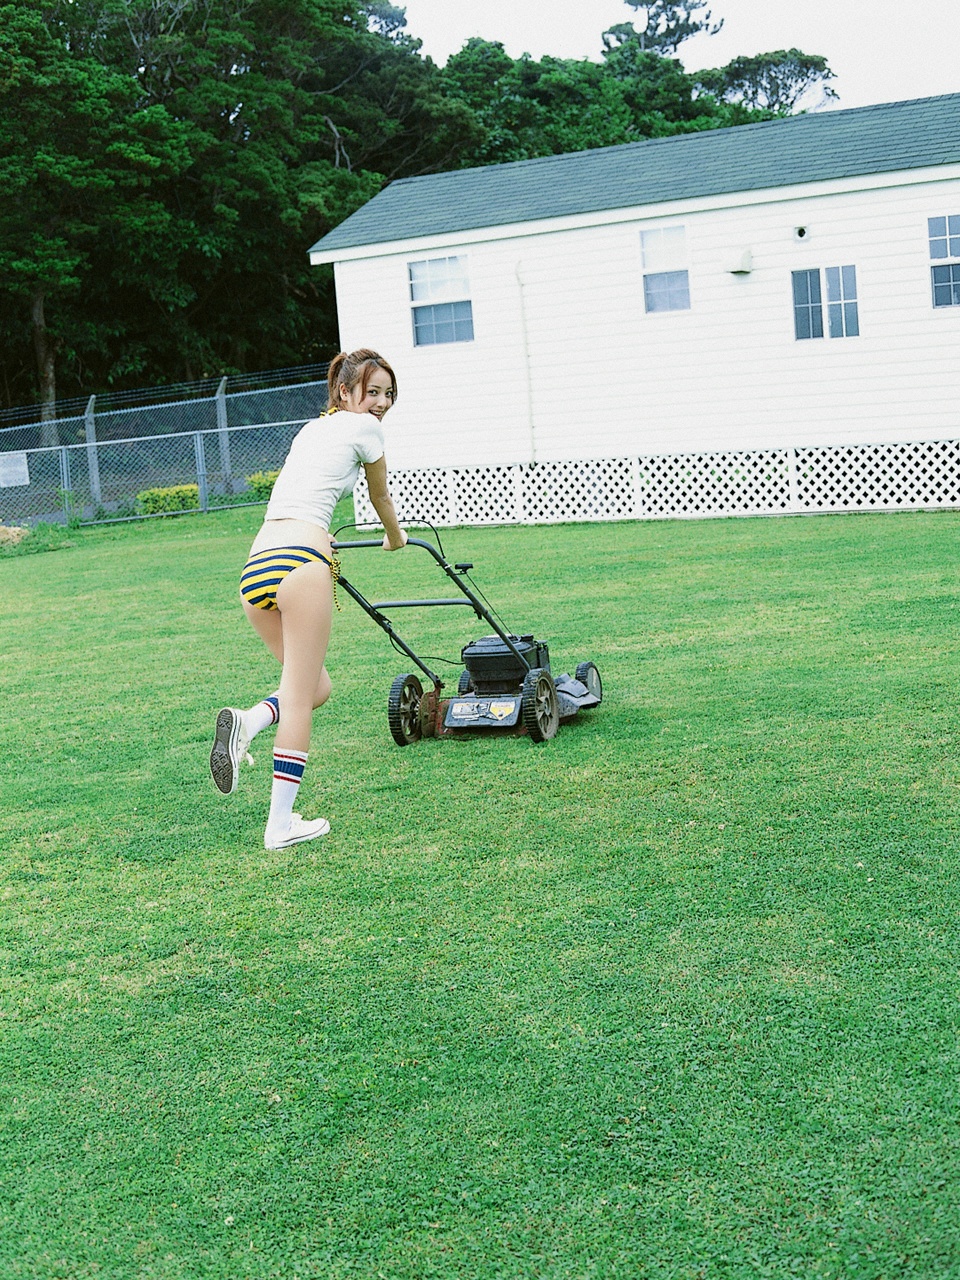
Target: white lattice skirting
(883, 477)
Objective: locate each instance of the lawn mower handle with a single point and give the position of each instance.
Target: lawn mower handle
(378, 542)
(479, 608)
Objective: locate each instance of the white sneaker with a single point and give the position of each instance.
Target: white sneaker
(298, 831)
(229, 748)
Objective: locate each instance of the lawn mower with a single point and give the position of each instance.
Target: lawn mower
(506, 685)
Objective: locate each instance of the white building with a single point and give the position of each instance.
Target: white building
(764, 318)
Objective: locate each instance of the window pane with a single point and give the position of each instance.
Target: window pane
(842, 301)
(807, 309)
(937, 226)
(666, 291)
(946, 285)
(441, 278)
(939, 248)
(463, 322)
(806, 287)
(443, 322)
(418, 277)
(664, 248)
(953, 224)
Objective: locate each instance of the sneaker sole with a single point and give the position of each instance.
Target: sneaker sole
(224, 757)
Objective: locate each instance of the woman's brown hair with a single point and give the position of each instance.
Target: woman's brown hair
(355, 370)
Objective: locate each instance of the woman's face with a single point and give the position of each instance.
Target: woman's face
(377, 398)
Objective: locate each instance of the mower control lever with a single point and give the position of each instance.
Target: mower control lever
(463, 568)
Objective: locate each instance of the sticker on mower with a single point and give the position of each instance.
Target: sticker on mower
(470, 712)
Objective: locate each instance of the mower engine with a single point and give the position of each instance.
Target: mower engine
(504, 687)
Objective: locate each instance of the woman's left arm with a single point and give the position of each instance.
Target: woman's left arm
(376, 474)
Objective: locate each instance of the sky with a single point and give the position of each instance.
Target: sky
(878, 50)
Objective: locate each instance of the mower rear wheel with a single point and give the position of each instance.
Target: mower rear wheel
(403, 710)
(588, 674)
(539, 706)
(465, 683)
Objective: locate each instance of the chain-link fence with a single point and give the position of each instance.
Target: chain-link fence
(119, 479)
(106, 464)
(224, 409)
(130, 397)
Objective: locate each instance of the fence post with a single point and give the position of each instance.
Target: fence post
(66, 496)
(226, 469)
(93, 460)
(201, 470)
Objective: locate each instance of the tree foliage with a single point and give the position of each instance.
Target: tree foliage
(776, 82)
(166, 163)
(664, 25)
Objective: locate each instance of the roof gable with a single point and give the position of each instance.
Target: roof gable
(892, 136)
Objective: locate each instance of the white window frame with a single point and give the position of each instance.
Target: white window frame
(837, 296)
(944, 243)
(666, 275)
(440, 300)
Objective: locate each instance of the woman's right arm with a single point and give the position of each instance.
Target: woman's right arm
(376, 474)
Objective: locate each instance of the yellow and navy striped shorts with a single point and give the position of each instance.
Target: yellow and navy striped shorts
(263, 572)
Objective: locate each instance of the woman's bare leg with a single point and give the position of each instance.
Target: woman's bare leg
(269, 627)
(305, 603)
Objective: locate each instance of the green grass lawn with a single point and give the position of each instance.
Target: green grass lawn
(674, 995)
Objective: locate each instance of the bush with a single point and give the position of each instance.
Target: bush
(261, 484)
(179, 497)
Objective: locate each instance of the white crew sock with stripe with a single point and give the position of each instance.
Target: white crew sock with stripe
(262, 716)
(288, 767)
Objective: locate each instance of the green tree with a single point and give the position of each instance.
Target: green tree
(78, 160)
(527, 108)
(664, 25)
(287, 115)
(776, 82)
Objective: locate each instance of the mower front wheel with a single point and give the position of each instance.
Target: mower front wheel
(539, 706)
(588, 674)
(403, 710)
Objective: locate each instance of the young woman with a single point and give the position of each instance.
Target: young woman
(287, 583)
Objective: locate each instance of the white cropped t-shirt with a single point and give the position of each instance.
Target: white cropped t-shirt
(323, 464)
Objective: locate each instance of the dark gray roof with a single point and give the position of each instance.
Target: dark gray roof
(778, 153)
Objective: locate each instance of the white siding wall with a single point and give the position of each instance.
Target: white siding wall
(566, 364)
